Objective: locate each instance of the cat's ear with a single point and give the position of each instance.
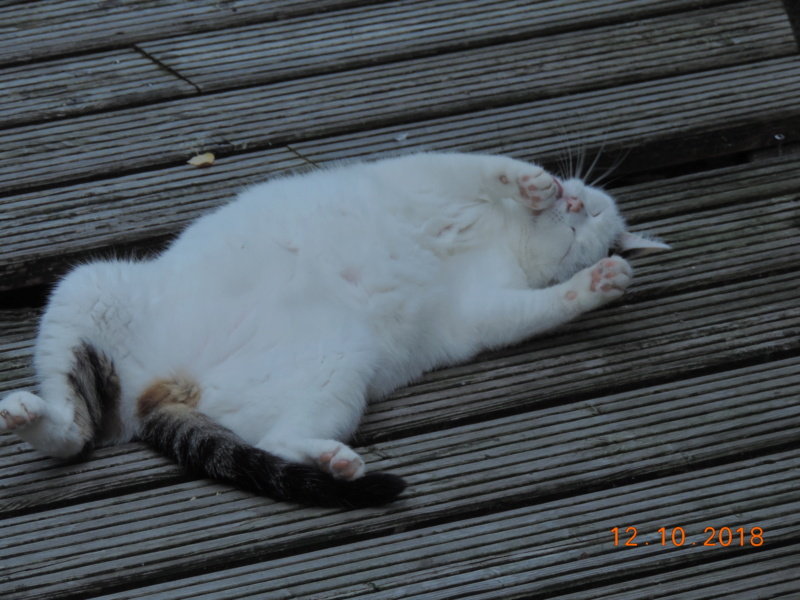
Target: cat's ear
(630, 245)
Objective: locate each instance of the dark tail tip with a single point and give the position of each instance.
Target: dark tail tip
(310, 486)
(373, 489)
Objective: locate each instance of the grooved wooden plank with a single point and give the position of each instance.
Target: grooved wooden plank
(96, 25)
(620, 347)
(330, 104)
(44, 232)
(17, 331)
(552, 541)
(615, 348)
(763, 575)
(510, 460)
(393, 31)
(74, 86)
(668, 113)
(676, 407)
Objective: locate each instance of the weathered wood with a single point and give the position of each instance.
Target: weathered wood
(610, 351)
(112, 24)
(74, 86)
(44, 232)
(17, 330)
(520, 458)
(672, 120)
(675, 407)
(766, 573)
(367, 35)
(554, 541)
(326, 105)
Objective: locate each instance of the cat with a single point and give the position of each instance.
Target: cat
(247, 351)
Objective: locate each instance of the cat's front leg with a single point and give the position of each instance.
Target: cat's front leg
(507, 316)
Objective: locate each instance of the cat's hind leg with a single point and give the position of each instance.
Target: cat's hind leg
(330, 456)
(48, 427)
(312, 436)
(77, 405)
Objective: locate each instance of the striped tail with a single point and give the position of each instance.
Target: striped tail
(202, 446)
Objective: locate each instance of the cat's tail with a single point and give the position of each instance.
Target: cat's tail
(170, 423)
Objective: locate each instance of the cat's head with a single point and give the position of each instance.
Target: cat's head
(583, 226)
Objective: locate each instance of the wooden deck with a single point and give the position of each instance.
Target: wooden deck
(676, 407)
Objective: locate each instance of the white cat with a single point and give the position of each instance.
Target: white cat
(248, 350)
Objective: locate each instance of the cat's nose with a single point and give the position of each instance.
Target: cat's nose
(574, 205)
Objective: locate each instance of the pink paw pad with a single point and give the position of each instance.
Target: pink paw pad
(609, 274)
(340, 467)
(14, 421)
(528, 190)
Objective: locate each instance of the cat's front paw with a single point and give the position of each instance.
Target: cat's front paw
(341, 462)
(19, 410)
(602, 283)
(538, 189)
(533, 187)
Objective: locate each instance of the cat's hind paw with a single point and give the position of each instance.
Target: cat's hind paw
(341, 462)
(20, 410)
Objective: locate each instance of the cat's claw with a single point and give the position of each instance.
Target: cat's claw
(342, 463)
(19, 410)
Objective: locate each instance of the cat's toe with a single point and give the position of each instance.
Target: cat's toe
(19, 410)
(342, 463)
(538, 189)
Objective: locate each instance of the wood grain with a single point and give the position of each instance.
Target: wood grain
(389, 32)
(46, 232)
(597, 355)
(73, 86)
(551, 451)
(676, 406)
(108, 24)
(553, 541)
(294, 112)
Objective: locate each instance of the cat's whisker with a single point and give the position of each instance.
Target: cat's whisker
(581, 160)
(597, 157)
(610, 170)
(565, 154)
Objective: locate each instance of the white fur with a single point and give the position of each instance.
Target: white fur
(309, 295)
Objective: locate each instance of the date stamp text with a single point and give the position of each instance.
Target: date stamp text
(676, 536)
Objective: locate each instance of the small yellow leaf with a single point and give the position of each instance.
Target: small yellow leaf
(202, 160)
